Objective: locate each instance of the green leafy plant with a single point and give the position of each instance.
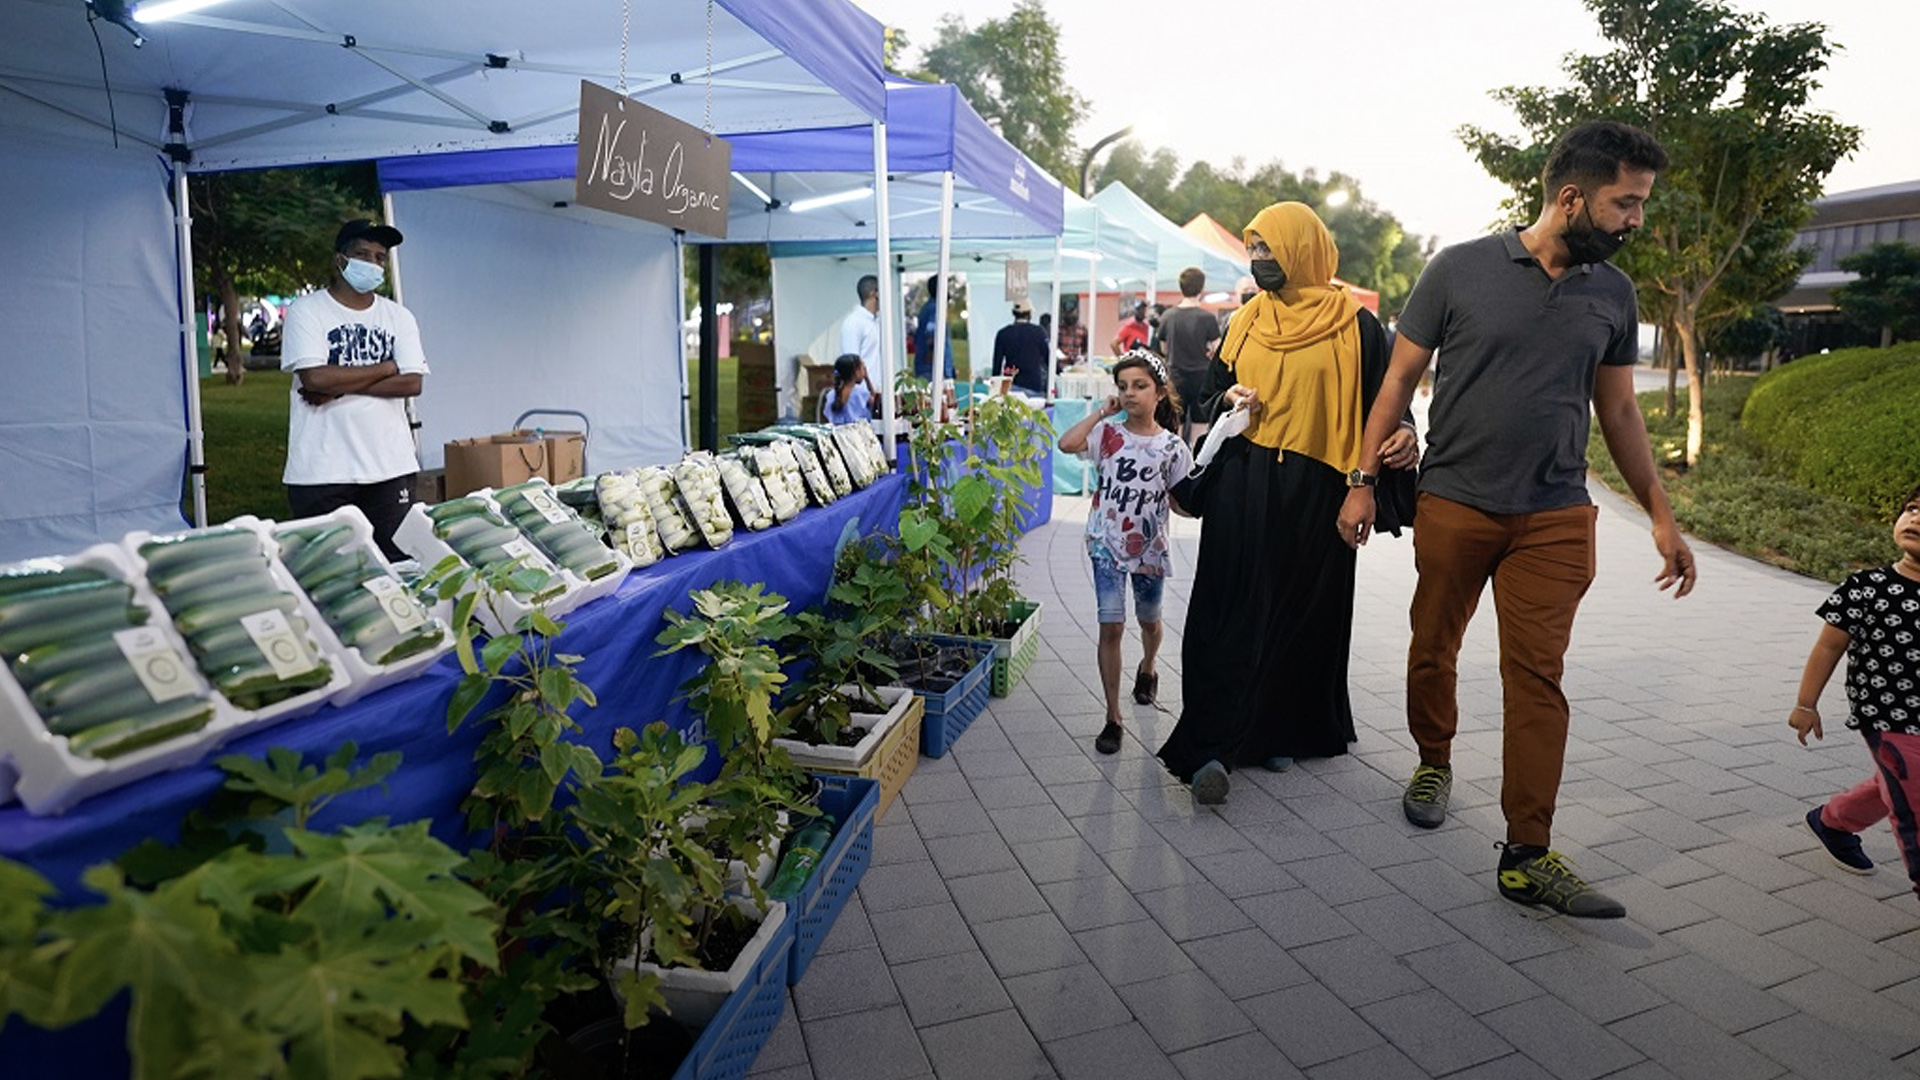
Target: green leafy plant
(733, 624)
(286, 952)
(847, 641)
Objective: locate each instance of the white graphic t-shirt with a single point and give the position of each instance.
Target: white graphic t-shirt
(1880, 611)
(1127, 524)
(354, 439)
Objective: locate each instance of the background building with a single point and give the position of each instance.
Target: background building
(1841, 225)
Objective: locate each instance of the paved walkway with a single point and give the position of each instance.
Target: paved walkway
(1036, 910)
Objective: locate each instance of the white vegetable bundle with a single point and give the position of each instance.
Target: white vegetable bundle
(629, 519)
(819, 487)
(698, 479)
(779, 473)
(670, 518)
(860, 467)
(820, 437)
(744, 491)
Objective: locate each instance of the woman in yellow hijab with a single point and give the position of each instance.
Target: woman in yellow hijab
(1264, 660)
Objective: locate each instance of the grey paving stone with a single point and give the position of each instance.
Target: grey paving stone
(1709, 991)
(1435, 884)
(1380, 845)
(1244, 873)
(1399, 923)
(1204, 834)
(1877, 1021)
(897, 841)
(879, 1044)
(908, 934)
(1152, 865)
(1183, 1010)
(1761, 869)
(1471, 977)
(1340, 879)
(784, 1049)
(1688, 1046)
(1066, 1001)
(1103, 1055)
(1848, 954)
(951, 819)
(1358, 970)
(988, 763)
(1053, 771)
(1515, 1066)
(1310, 1025)
(1080, 800)
(1296, 917)
(1839, 902)
(1024, 824)
(1325, 812)
(1244, 1057)
(901, 885)
(1246, 964)
(1591, 986)
(1026, 944)
(1132, 952)
(925, 789)
(838, 983)
(996, 1046)
(1084, 903)
(851, 930)
(1375, 1063)
(972, 853)
(1288, 841)
(1743, 952)
(1663, 824)
(1435, 1033)
(1808, 1046)
(1735, 900)
(1506, 929)
(1004, 894)
(789, 1072)
(1005, 792)
(947, 988)
(1655, 862)
(1560, 1040)
(1193, 911)
(1621, 943)
(1107, 833)
(1059, 860)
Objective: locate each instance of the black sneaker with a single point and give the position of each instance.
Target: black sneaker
(1532, 875)
(1146, 688)
(1108, 741)
(1210, 784)
(1842, 845)
(1425, 802)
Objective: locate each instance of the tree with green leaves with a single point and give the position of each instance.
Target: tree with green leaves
(269, 231)
(1727, 95)
(1887, 295)
(1011, 69)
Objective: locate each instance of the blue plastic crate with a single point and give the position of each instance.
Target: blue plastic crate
(729, 1044)
(854, 803)
(949, 713)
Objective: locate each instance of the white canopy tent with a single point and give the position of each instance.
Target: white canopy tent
(1178, 249)
(99, 443)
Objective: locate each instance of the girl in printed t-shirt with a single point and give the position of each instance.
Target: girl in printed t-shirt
(1139, 460)
(1873, 619)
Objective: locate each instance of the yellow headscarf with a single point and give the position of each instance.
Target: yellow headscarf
(1300, 348)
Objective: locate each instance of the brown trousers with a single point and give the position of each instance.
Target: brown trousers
(1540, 565)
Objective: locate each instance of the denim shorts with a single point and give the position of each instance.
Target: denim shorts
(1110, 591)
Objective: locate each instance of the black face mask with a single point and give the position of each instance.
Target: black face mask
(1268, 275)
(1247, 297)
(1586, 243)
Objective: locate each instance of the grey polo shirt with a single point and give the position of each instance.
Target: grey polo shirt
(1513, 382)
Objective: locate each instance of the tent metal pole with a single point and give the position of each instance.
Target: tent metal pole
(190, 347)
(399, 297)
(1089, 318)
(938, 347)
(680, 334)
(889, 292)
(709, 347)
(1053, 344)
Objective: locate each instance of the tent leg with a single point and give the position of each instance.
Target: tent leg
(709, 347)
(189, 348)
(889, 293)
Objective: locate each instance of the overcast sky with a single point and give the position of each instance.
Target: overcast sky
(1376, 90)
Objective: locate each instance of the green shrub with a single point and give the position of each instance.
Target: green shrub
(1843, 424)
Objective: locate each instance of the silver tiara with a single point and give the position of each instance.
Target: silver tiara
(1153, 361)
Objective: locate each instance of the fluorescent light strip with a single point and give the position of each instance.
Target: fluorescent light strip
(1076, 253)
(755, 188)
(162, 10)
(815, 203)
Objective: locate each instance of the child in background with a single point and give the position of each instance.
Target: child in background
(1139, 460)
(850, 400)
(1873, 618)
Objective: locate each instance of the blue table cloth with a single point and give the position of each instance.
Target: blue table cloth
(1072, 473)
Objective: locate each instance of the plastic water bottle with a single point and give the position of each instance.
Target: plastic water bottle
(796, 866)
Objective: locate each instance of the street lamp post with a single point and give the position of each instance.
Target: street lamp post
(1086, 161)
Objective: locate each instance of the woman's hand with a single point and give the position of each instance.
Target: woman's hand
(1401, 450)
(1241, 394)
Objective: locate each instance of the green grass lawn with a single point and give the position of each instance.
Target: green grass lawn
(246, 446)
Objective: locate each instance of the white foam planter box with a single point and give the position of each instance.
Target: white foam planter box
(898, 698)
(365, 673)
(580, 589)
(763, 867)
(324, 645)
(693, 996)
(38, 768)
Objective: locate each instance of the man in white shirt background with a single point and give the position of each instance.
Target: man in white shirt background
(860, 330)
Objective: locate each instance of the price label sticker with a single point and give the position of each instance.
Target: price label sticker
(546, 506)
(518, 548)
(401, 609)
(640, 537)
(286, 653)
(155, 663)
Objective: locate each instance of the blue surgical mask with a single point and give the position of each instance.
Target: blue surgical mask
(363, 276)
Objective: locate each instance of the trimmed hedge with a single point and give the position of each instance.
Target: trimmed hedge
(1844, 424)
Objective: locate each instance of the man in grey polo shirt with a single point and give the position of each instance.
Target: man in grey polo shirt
(1533, 327)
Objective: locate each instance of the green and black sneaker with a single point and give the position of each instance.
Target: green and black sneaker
(1425, 801)
(1530, 874)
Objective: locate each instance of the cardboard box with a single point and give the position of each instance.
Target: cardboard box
(493, 461)
(566, 453)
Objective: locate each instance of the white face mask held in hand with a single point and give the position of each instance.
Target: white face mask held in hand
(1226, 428)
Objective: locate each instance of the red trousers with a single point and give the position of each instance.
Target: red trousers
(1540, 565)
(1892, 791)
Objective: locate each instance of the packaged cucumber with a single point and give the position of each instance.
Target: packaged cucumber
(697, 478)
(534, 509)
(820, 438)
(853, 451)
(670, 516)
(779, 474)
(745, 493)
(629, 520)
(478, 534)
(819, 488)
(366, 605)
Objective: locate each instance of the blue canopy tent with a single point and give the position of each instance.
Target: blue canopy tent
(97, 443)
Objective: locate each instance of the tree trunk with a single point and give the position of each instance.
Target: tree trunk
(1670, 356)
(230, 321)
(1696, 411)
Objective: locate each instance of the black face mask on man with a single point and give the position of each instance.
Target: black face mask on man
(1586, 243)
(1268, 274)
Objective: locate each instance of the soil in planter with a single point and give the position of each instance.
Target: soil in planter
(723, 944)
(587, 1044)
(937, 670)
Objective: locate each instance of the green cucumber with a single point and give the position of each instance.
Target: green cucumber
(185, 579)
(369, 633)
(257, 687)
(245, 583)
(352, 607)
(115, 706)
(469, 529)
(193, 620)
(343, 586)
(228, 635)
(71, 628)
(169, 720)
(240, 654)
(33, 577)
(63, 602)
(70, 689)
(419, 641)
(346, 564)
(318, 550)
(45, 661)
(165, 554)
(458, 508)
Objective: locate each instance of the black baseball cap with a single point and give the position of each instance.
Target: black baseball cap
(385, 235)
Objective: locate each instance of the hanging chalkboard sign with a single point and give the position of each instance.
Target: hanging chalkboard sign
(640, 162)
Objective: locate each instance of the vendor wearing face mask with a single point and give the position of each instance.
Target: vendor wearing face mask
(1264, 657)
(356, 358)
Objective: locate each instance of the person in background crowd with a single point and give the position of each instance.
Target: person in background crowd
(1020, 350)
(923, 335)
(860, 330)
(851, 399)
(1537, 336)
(1190, 334)
(355, 357)
(1073, 335)
(1134, 332)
